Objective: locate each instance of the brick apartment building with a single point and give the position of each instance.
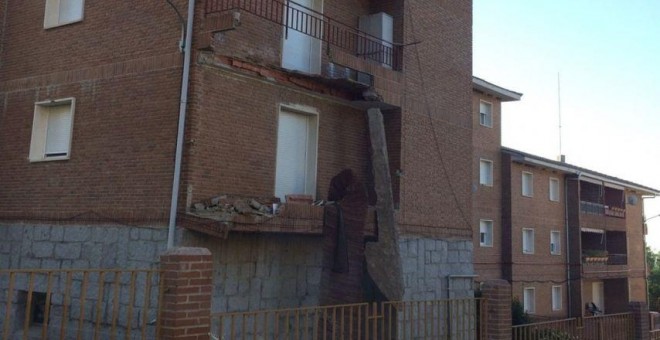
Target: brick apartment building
(562, 235)
(90, 95)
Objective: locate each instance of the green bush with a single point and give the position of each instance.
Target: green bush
(518, 314)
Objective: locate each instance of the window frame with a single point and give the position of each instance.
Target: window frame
(560, 303)
(491, 170)
(550, 181)
(39, 137)
(52, 14)
(526, 306)
(530, 186)
(557, 250)
(312, 144)
(488, 124)
(489, 224)
(526, 251)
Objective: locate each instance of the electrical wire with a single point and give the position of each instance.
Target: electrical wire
(443, 166)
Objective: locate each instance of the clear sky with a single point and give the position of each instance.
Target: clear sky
(607, 53)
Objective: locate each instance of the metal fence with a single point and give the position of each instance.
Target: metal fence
(309, 22)
(612, 326)
(438, 319)
(80, 304)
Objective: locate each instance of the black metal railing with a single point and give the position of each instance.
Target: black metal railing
(315, 24)
(592, 208)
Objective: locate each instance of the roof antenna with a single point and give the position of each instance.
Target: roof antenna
(562, 157)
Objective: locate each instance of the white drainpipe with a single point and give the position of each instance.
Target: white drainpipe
(182, 124)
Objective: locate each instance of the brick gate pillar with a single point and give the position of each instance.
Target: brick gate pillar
(641, 315)
(187, 282)
(498, 301)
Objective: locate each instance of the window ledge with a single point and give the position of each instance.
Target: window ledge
(49, 159)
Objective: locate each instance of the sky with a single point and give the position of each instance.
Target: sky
(606, 54)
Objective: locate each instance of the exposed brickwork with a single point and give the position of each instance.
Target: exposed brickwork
(498, 295)
(487, 200)
(188, 283)
(126, 88)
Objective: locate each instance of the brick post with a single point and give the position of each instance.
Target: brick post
(186, 306)
(640, 312)
(498, 299)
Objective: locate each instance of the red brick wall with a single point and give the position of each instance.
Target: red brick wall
(126, 84)
(147, 28)
(233, 123)
(487, 200)
(540, 269)
(437, 123)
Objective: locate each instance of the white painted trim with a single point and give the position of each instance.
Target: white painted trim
(559, 238)
(491, 113)
(492, 233)
(52, 20)
(494, 90)
(550, 189)
(533, 241)
(522, 184)
(552, 302)
(38, 138)
(310, 184)
(492, 172)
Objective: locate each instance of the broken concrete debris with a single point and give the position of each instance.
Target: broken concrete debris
(226, 207)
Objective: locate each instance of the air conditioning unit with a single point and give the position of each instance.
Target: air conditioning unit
(336, 71)
(380, 26)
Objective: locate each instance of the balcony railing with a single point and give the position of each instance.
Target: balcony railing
(601, 209)
(608, 259)
(317, 25)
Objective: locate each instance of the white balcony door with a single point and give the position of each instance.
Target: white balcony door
(295, 169)
(302, 52)
(598, 295)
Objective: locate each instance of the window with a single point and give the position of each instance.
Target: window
(527, 184)
(51, 130)
(486, 113)
(295, 169)
(528, 241)
(62, 12)
(555, 243)
(529, 303)
(486, 233)
(553, 191)
(486, 172)
(556, 298)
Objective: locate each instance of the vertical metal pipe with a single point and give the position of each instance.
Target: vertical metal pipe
(176, 181)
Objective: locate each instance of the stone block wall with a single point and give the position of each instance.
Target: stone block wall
(32, 246)
(255, 272)
(108, 297)
(436, 269)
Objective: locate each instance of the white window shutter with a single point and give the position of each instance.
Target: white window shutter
(70, 10)
(58, 133)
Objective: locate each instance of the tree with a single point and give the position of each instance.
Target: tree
(653, 278)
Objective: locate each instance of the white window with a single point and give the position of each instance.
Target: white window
(527, 184)
(486, 172)
(529, 297)
(555, 243)
(51, 130)
(62, 12)
(486, 113)
(486, 233)
(295, 169)
(556, 298)
(528, 241)
(553, 191)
